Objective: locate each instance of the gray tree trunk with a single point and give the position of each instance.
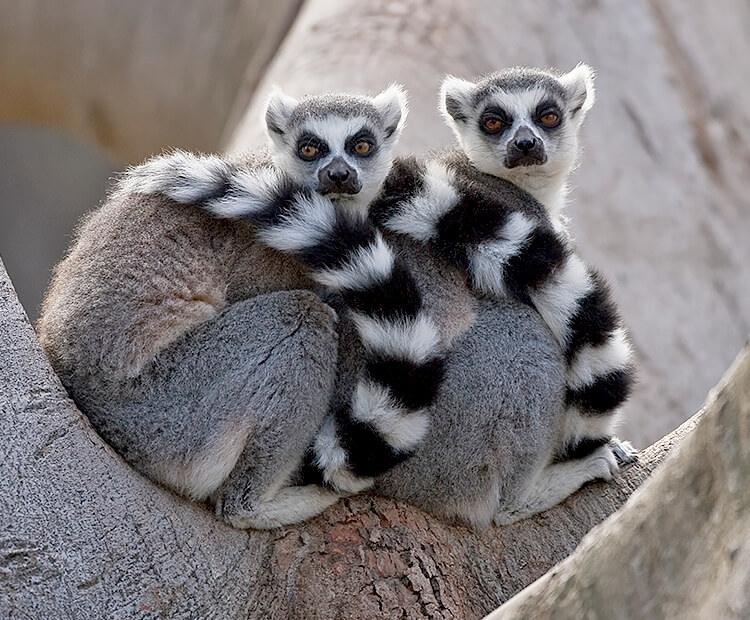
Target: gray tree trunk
(138, 76)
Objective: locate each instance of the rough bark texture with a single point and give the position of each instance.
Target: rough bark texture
(680, 547)
(136, 77)
(661, 197)
(84, 535)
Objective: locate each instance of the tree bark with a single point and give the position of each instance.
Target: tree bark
(83, 535)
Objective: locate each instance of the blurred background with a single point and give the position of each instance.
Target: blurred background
(661, 197)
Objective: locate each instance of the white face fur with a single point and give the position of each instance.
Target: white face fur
(338, 145)
(522, 125)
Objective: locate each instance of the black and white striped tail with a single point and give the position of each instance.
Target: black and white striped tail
(386, 418)
(508, 251)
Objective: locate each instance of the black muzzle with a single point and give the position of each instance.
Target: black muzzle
(338, 177)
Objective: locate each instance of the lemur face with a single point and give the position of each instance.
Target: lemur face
(338, 145)
(520, 124)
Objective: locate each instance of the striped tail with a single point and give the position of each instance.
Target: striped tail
(387, 416)
(509, 251)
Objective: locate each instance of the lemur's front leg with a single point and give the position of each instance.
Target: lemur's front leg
(507, 250)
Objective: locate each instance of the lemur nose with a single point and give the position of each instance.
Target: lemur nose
(526, 143)
(338, 175)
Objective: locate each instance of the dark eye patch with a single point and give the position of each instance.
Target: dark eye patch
(494, 120)
(311, 142)
(363, 135)
(548, 107)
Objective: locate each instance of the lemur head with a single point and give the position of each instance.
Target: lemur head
(339, 145)
(521, 124)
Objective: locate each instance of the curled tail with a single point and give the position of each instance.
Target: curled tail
(387, 416)
(508, 250)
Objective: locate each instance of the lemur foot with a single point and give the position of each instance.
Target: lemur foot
(557, 481)
(288, 505)
(602, 464)
(624, 452)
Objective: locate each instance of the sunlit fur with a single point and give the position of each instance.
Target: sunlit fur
(509, 248)
(191, 345)
(469, 488)
(519, 92)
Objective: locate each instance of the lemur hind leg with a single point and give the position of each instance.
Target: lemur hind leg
(557, 481)
(240, 397)
(291, 403)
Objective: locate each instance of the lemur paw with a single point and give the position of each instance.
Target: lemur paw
(506, 517)
(603, 464)
(624, 452)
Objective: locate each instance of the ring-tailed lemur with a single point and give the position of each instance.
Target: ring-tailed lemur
(144, 281)
(521, 125)
(511, 246)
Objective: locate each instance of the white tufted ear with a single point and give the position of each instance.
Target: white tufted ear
(279, 108)
(456, 99)
(579, 85)
(393, 105)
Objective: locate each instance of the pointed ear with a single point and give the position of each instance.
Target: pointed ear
(456, 99)
(393, 105)
(579, 86)
(279, 108)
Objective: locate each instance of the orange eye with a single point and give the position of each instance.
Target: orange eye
(362, 147)
(493, 124)
(309, 151)
(549, 119)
